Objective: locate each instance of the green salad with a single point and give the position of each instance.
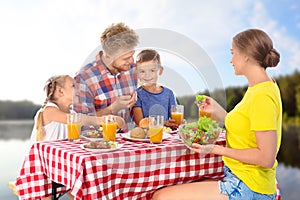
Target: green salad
(200, 98)
(205, 131)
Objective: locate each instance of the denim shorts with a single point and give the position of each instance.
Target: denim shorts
(235, 189)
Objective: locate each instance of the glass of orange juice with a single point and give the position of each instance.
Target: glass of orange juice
(202, 113)
(177, 113)
(74, 126)
(156, 126)
(109, 128)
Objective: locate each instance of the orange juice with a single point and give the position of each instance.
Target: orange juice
(156, 134)
(202, 113)
(178, 117)
(110, 131)
(74, 131)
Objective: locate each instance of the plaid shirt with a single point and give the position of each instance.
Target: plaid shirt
(96, 87)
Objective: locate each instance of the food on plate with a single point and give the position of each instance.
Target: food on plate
(205, 131)
(94, 133)
(167, 129)
(101, 145)
(200, 98)
(137, 132)
(144, 123)
(171, 124)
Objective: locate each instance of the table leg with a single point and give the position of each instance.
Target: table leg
(56, 196)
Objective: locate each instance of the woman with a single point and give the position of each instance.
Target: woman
(253, 129)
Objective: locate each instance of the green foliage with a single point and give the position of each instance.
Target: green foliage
(290, 93)
(234, 96)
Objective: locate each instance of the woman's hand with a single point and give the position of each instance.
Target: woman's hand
(209, 105)
(202, 149)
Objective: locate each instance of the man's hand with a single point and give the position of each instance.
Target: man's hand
(123, 102)
(133, 99)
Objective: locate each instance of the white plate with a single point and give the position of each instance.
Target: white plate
(101, 150)
(127, 136)
(174, 131)
(84, 136)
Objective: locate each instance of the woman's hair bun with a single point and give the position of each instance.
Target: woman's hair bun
(272, 59)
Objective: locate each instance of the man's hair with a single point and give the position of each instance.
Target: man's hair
(118, 38)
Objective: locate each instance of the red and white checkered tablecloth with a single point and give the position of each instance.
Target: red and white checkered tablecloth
(133, 172)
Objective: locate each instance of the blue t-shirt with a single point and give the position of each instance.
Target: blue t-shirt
(155, 104)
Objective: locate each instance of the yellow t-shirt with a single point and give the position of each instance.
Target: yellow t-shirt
(259, 110)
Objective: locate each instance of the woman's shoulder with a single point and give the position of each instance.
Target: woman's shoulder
(266, 89)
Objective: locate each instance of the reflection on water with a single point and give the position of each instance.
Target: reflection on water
(14, 141)
(15, 129)
(289, 182)
(289, 153)
(11, 155)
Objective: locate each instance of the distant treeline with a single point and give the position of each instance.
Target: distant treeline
(17, 110)
(290, 93)
(288, 84)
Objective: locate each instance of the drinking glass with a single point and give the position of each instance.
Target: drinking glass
(109, 128)
(177, 113)
(156, 125)
(125, 114)
(74, 126)
(202, 113)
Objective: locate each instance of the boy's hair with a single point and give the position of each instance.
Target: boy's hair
(148, 55)
(49, 88)
(118, 37)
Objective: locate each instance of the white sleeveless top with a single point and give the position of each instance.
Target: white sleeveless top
(53, 131)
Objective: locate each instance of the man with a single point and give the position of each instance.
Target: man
(107, 86)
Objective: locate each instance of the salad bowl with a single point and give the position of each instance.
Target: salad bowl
(205, 131)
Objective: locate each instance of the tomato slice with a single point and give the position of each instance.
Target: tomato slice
(196, 140)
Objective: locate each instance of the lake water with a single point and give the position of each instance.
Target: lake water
(14, 139)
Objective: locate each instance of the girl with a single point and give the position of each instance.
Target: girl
(50, 120)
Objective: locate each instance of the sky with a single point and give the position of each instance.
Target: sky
(41, 38)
